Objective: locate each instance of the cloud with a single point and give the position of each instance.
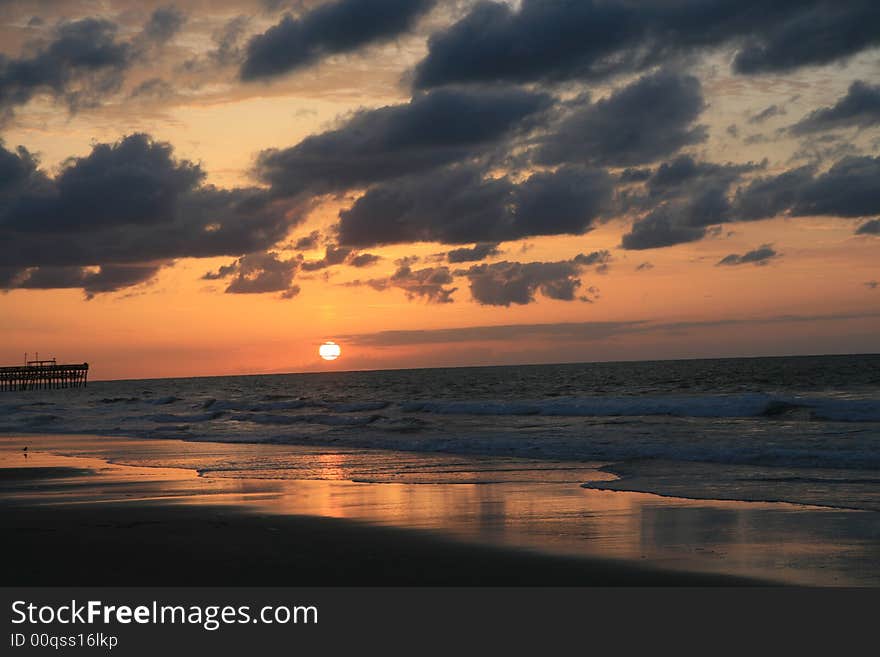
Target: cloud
(430, 131)
(333, 255)
(662, 227)
(479, 251)
(650, 119)
(871, 227)
(258, 273)
(593, 38)
(760, 256)
(228, 41)
(506, 283)
(364, 260)
(564, 331)
(860, 107)
(136, 180)
(152, 208)
(766, 114)
(106, 278)
(308, 242)
(459, 205)
(808, 33)
(683, 198)
(153, 88)
(600, 259)
(430, 283)
(338, 255)
(163, 24)
(848, 189)
(336, 27)
(769, 196)
(686, 176)
(498, 284)
(83, 63)
(634, 175)
(574, 331)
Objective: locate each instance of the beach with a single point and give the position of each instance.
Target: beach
(71, 517)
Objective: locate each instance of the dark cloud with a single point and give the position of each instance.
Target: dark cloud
(364, 260)
(850, 188)
(497, 284)
(683, 199)
(684, 175)
(136, 180)
(860, 107)
(257, 273)
(769, 196)
(333, 255)
(871, 227)
(430, 131)
(336, 27)
(163, 24)
(766, 114)
(506, 283)
(107, 278)
(308, 242)
(83, 63)
(430, 283)
(634, 175)
(601, 260)
(591, 38)
(760, 256)
(814, 32)
(461, 206)
(129, 203)
(477, 252)
(643, 122)
(662, 227)
(338, 255)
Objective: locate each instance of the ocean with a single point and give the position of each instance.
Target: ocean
(804, 430)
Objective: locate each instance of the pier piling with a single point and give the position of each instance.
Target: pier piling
(43, 375)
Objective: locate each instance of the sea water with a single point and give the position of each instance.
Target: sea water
(795, 429)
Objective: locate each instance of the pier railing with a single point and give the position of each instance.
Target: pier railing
(43, 376)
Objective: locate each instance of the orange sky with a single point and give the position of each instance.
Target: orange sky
(181, 325)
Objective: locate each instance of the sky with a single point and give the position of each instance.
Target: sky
(198, 188)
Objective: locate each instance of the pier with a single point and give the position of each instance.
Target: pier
(43, 375)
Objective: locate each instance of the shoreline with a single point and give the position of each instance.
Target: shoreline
(143, 540)
(120, 495)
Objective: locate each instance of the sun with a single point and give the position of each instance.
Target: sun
(329, 350)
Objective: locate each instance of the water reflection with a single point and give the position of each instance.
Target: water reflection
(801, 544)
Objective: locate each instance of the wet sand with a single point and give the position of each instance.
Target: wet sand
(82, 520)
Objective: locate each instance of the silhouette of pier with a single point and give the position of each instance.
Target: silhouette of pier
(43, 375)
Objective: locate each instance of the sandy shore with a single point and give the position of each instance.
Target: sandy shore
(82, 521)
(94, 509)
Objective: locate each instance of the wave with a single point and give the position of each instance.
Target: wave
(700, 406)
(318, 418)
